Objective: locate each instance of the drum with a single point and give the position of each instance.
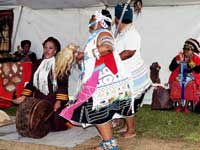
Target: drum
(32, 117)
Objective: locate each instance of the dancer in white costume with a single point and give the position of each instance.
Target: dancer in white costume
(128, 44)
(105, 91)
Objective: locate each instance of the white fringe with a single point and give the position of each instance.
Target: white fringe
(40, 79)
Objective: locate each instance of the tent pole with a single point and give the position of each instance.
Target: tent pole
(17, 27)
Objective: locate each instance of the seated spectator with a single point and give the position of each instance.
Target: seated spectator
(24, 53)
(47, 83)
(185, 81)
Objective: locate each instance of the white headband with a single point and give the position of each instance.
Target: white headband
(101, 18)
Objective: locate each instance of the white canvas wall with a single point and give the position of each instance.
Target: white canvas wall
(67, 25)
(163, 30)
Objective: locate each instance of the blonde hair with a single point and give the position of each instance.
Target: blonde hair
(64, 60)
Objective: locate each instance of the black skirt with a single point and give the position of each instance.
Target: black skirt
(85, 115)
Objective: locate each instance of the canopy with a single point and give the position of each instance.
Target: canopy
(48, 4)
(164, 25)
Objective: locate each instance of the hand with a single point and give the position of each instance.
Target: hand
(57, 105)
(181, 56)
(19, 49)
(79, 55)
(19, 100)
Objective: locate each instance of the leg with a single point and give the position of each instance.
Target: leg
(186, 110)
(179, 107)
(130, 122)
(108, 143)
(123, 129)
(105, 130)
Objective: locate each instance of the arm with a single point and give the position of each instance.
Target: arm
(126, 54)
(174, 64)
(33, 57)
(79, 56)
(28, 90)
(61, 93)
(105, 43)
(194, 64)
(196, 69)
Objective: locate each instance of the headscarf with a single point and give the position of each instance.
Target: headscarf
(102, 19)
(128, 15)
(194, 43)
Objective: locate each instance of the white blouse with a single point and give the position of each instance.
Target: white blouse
(129, 39)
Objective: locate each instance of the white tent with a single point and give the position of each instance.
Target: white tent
(164, 25)
(52, 4)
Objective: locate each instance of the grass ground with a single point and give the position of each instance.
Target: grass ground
(156, 130)
(11, 111)
(168, 124)
(160, 124)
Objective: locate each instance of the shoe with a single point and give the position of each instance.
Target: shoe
(186, 110)
(178, 109)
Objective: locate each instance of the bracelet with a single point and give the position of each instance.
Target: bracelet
(96, 53)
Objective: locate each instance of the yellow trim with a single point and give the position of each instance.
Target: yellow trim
(61, 94)
(62, 98)
(27, 93)
(27, 90)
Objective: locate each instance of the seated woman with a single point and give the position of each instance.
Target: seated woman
(24, 53)
(184, 80)
(49, 82)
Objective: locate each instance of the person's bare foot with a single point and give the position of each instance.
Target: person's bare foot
(122, 130)
(98, 148)
(128, 134)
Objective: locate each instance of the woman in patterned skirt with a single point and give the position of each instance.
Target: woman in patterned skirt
(105, 92)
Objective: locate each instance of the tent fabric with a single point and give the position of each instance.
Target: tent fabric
(163, 29)
(49, 4)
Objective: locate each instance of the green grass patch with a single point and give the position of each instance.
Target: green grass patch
(158, 124)
(167, 124)
(11, 111)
